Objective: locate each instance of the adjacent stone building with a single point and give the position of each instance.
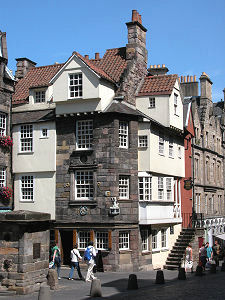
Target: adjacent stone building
(6, 90)
(208, 156)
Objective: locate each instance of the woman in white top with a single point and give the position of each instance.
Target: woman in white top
(75, 257)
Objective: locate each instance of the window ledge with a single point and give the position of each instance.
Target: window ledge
(25, 153)
(155, 250)
(82, 202)
(26, 201)
(125, 200)
(161, 154)
(121, 251)
(145, 253)
(164, 249)
(171, 157)
(44, 137)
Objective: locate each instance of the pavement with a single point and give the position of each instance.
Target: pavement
(114, 286)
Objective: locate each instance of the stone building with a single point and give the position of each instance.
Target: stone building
(6, 90)
(208, 156)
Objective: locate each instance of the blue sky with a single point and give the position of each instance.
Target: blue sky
(187, 36)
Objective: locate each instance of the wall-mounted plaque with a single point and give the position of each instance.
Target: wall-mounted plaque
(36, 250)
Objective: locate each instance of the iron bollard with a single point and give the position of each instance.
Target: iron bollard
(159, 277)
(96, 289)
(182, 274)
(199, 271)
(44, 293)
(213, 268)
(132, 282)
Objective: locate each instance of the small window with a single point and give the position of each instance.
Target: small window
(75, 85)
(151, 102)
(123, 187)
(154, 239)
(171, 147)
(123, 240)
(84, 187)
(161, 144)
(84, 134)
(164, 237)
(123, 134)
(175, 104)
(169, 188)
(2, 124)
(2, 177)
(160, 188)
(144, 240)
(83, 239)
(171, 229)
(143, 141)
(101, 240)
(26, 138)
(145, 188)
(39, 96)
(27, 188)
(44, 132)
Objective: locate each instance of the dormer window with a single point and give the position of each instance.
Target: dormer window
(39, 96)
(75, 85)
(151, 102)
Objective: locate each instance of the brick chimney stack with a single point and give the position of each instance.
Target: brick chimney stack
(3, 47)
(189, 85)
(224, 98)
(23, 66)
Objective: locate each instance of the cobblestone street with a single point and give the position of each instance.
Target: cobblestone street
(114, 286)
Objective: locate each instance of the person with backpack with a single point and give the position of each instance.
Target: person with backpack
(75, 257)
(56, 259)
(89, 258)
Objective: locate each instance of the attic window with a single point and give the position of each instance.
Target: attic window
(75, 85)
(151, 102)
(39, 96)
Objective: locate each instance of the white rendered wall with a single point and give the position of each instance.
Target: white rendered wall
(44, 193)
(43, 157)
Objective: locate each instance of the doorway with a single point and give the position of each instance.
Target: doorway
(67, 245)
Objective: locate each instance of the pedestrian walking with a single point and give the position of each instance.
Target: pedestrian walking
(209, 252)
(75, 257)
(188, 259)
(56, 259)
(216, 252)
(203, 256)
(89, 258)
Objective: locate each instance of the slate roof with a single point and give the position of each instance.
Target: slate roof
(33, 116)
(122, 108)
(36, 77)
(158, 85)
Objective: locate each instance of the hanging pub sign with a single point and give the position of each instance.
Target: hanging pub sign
(188, 184)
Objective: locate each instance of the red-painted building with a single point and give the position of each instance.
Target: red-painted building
(186, 182)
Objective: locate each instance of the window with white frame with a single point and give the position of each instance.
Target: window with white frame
(212, 203)
(2, 177)
(102, 240)
(2, 124)
(142, 141)
(124, 240)
(164, 237)
(145, 188)
(124, 187)
(75, 85)
(26, 138)
(39, 96)
(179, 152)
(84, 134)
(169, 188)
(151, 102)
(154, 239)
(170, 147)
(123, 134)
(206, 203)
(175, 104)
(84, 187)
(197, 202)
(160, 188)
(27, 188)
(44, 132)
(83, 239)
(161, 144)
(144, 240)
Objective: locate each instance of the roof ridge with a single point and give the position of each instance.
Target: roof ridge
(53, 65)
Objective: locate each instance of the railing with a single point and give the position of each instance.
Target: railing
(197, 220)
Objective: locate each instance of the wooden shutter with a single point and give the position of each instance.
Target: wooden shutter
(92, 235)
(56, 235)
(110, 239)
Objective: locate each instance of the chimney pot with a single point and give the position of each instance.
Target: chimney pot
(181, 78)
(139, 19)
(158, 66)
(155, 66)
(187, 78)
(191, 78)
(86, 56)
(184, 78)
(163, 66)
(194, 78)
(134, 15)
(97, 55)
